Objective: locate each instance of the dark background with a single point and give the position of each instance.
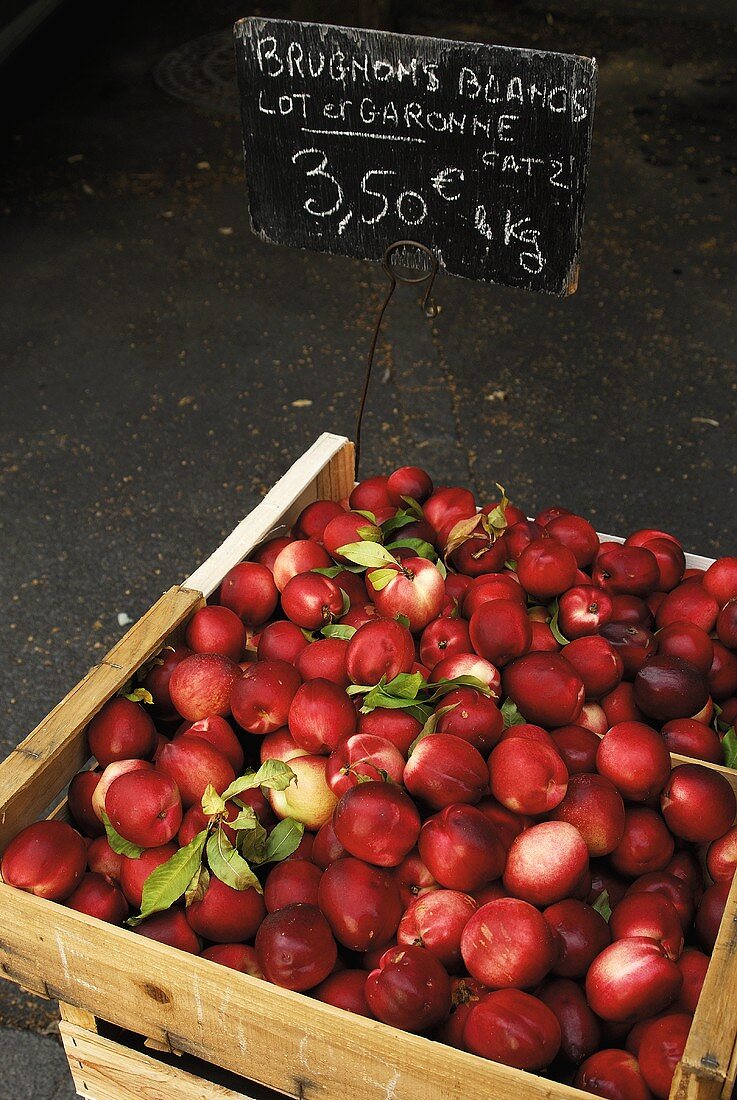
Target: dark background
(153, 351)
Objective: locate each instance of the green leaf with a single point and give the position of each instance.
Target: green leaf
(167, 883)
(366, 515)
(274, 774)
(421, 548)
(283, 839)
(212, 802)
(329, 571)
(420, 711)
(337, 630)
(720, 724)
(444, 686)
(333, 571)
(368, 554)
(406, 685)
(511, 565)
(413, 507)
(402, 619)
(246, 819)
(729, 747)
(371, 533)
(441, 568)
(554, 612)
(252, 844)
(346, 602)
(395, 523)
(380, 578)
(410, 692)
(380, 697)
(139, 695)
(496, 522)
(227, 865)
(603, 905)
(197, 887)
(460, 532)
(118, 843)
(430, 726)
(511, 714)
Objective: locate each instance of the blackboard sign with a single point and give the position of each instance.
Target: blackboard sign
(354, 139)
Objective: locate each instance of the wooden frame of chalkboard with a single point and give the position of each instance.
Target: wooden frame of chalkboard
(354, 139)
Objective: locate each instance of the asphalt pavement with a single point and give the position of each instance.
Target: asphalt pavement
(160, 367)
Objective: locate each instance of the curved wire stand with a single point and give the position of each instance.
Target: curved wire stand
(428, 306)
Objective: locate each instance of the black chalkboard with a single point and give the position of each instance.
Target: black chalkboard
(354, 139)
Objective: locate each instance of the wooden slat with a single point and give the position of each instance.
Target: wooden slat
(283, 1040)
(325, 470)
(729, 1085)
(105, 1070)
(689, 1085)
(34, 774)
(337, 479)
(80, 1017)
(710, 1049)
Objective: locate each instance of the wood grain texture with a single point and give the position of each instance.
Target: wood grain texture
(337, 479)
(691, 1084)
(35, 773)
(324, 470)
(710, 1050)
(285, 1041)
(80, 1017)
(355, 139)
(106, 1070)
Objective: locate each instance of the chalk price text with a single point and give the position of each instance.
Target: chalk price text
(382, 194)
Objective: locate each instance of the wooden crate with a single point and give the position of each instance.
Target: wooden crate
(271, 1039)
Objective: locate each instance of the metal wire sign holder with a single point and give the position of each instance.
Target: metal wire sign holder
(429, 308)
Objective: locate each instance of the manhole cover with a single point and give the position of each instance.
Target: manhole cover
(202, 72)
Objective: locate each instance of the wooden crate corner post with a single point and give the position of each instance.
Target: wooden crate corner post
(709, 1064)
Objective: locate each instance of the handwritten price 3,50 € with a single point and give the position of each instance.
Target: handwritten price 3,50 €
(379, 195)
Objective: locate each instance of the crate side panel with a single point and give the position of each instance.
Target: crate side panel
(285, 1041)
(105, 1070)
(710, 1050)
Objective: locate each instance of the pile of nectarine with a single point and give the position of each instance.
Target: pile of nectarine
(414, 761)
